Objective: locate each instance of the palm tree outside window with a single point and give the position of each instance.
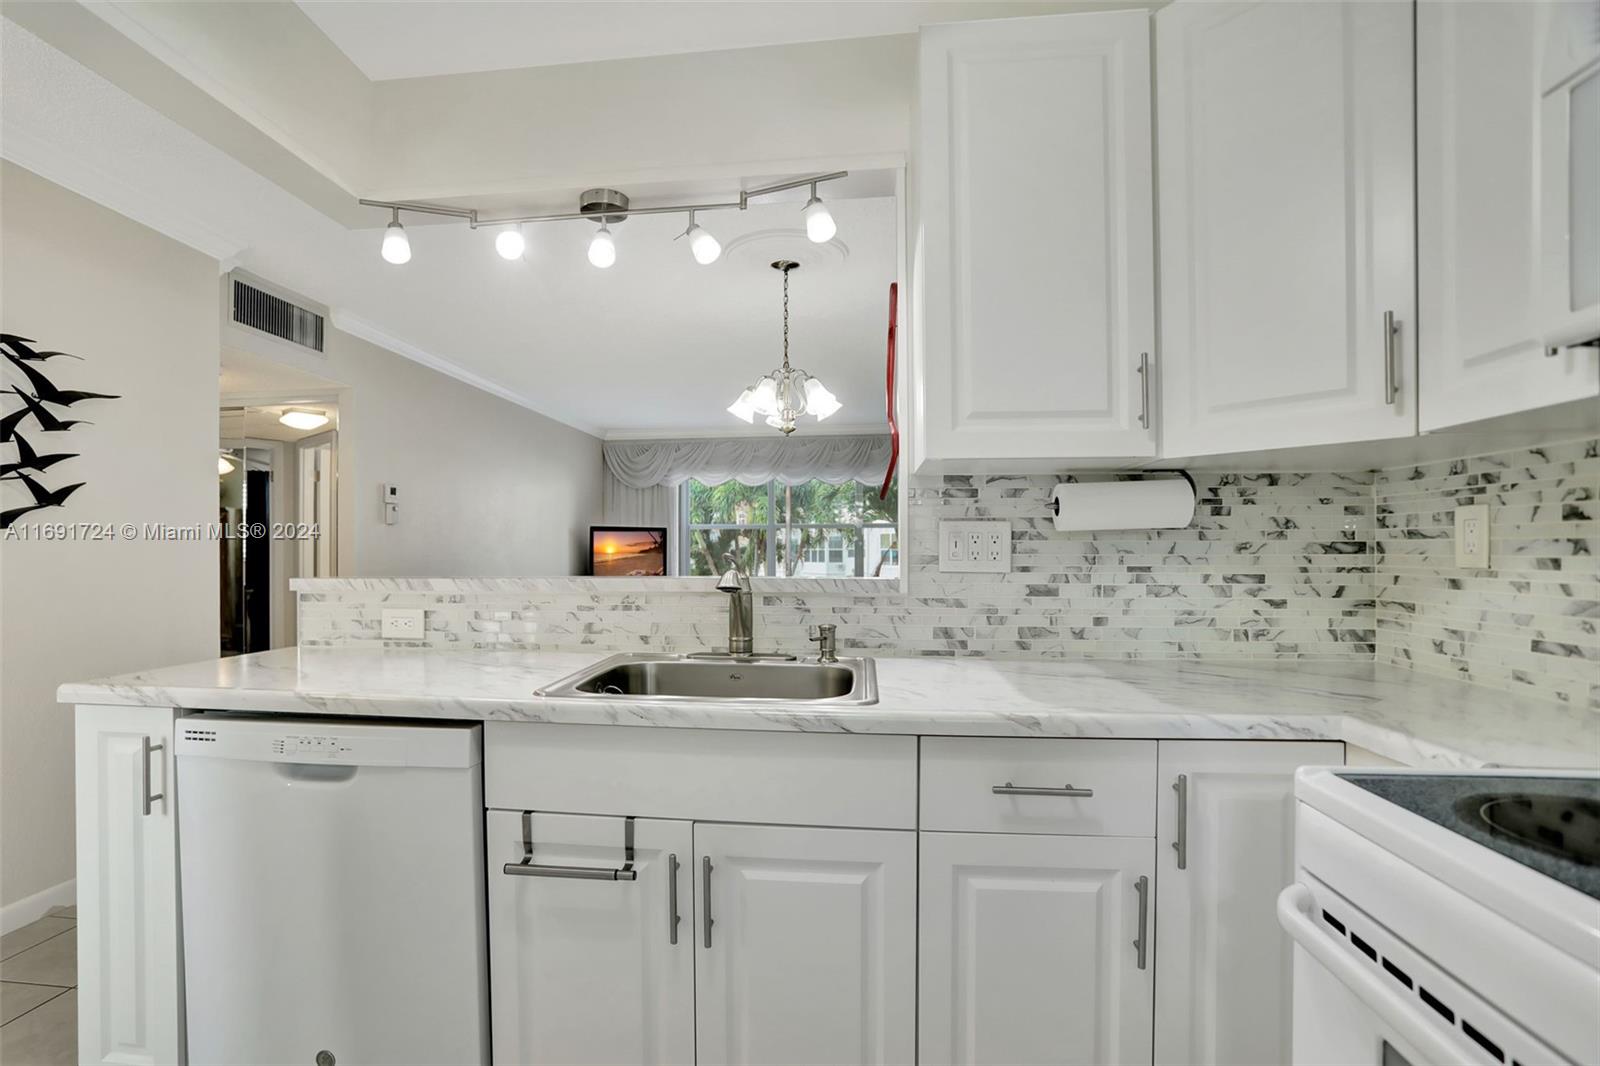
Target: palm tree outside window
(812, 529)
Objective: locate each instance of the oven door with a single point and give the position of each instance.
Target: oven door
(1345, 1013)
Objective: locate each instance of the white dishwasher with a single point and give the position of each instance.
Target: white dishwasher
(332, 891)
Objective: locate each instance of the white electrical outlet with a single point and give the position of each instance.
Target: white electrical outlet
(403, 624)
(975, 546)
(1472, 537)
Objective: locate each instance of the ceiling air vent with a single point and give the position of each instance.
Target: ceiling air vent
(253, 306)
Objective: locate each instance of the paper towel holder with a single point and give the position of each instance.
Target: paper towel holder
(1055, 504)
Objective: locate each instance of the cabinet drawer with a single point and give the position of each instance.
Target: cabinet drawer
(708, 775)
(959, 777)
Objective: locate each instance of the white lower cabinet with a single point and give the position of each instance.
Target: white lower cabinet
(1036, 949)
(1225, 835)
(589, 969)
(805, 944)
(130, 970)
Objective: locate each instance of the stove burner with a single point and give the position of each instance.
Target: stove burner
(1566, 826)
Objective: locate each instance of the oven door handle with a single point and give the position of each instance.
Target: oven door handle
(1295, 907)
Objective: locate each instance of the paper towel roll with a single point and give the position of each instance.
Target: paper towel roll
(1157, 503)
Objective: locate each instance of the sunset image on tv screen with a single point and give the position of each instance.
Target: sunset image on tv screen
(629, 553)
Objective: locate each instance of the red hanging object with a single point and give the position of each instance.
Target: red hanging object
(888, 397)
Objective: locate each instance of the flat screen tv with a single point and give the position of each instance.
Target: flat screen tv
(627, 551)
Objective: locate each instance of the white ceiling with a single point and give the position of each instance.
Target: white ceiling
(390, 39)
(656, 344)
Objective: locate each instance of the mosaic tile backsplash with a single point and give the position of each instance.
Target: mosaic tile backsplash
(1275, 566)
(1529, 623)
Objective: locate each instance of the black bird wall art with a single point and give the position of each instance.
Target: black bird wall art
(40, 394)
(42, 498)
(28, 459)
(19, 346)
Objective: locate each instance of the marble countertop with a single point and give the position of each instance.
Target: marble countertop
(1413, 718)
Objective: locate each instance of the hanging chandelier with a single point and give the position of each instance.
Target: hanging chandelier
(785, 394)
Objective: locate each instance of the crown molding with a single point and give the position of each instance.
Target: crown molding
(367, 331)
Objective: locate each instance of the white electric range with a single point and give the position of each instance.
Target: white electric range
(1445, 917)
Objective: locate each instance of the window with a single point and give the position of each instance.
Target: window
(813, 529)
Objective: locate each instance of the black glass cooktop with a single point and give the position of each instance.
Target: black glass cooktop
(1549, 823)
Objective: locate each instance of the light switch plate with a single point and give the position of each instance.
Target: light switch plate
(975, 546)
(402, 624)
(1472, 537)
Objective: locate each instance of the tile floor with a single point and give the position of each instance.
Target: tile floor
(38, 991)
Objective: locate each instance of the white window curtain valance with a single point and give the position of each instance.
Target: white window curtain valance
(750, 461)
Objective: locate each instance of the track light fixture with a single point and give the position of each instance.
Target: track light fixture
(820, 226)
(510, 243)
(702, 245)
(396, 245)
(608, 207)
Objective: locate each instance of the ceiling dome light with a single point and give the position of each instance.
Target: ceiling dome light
(510, 243)
(396, 245)
(702, 244)
(300, 418)
(820, 226)
(603, 250)
(224, 466)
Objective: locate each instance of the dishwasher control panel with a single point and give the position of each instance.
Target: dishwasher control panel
(285, 739)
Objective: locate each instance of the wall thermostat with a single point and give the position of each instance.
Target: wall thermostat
(391, 503)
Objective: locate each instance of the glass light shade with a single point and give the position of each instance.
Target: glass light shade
(602, 250)
(510, 243)
(820, 226)
(766, 397)
(224, 467)
(296, 418)
(819, 401)
(744, 407)
(703, 245)
(396, 245)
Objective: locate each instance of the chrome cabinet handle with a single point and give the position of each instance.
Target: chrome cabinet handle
(1141, 943)
(145, 748)
(672, 899)
(575, 873)
(1144, 390)
(1391, 383)
(1008, 789)
(705, 895)
(1181, 842)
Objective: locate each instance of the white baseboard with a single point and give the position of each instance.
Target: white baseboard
(18, 914)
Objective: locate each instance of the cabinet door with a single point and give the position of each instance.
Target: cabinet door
(1569, 126)
(1286, 224)
(1226, 850)
(130, 977)
(591, 971)
(1028, 949)
(1037, 258)
(805, 945)
(1481, 350)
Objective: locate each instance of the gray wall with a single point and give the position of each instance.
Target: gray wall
(488, 488)
(141, 310)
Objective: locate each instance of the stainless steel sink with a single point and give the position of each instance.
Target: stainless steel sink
(682, 679)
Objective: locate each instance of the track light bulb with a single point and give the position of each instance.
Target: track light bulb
(603, 250)
(396, 245)
(704, 246)
(820, 226)
(510, 243)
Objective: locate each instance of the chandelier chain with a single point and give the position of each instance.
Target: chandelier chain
(785, 320)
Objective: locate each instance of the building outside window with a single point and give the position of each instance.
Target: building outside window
(813, 529)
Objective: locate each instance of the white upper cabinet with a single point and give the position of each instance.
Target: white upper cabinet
(1482, 347)
(1569, 126)
(1034, 255)
(1287, 238)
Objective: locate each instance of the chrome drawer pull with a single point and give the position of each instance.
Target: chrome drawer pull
(146, 748)
(1008, 789)
(1181, 844)
(672, 899)
(705, 877)
(1142, 942)
(528, 868)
